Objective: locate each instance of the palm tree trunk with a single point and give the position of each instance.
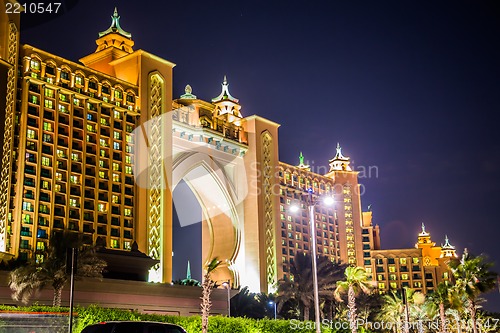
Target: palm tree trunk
(472, 311)
(306, 312)
(205, 302)
(442, 317)
(57, 296)
(351, 304)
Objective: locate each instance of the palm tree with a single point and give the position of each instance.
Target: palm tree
(472, 274)
(457, 300)
(356, 280)
(50, 268)
(420, 309)
(207, 286)
(250, 305)
(298, 286)
(392, 311)
(441, 297)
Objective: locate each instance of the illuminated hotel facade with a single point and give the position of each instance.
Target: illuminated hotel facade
(83, 151)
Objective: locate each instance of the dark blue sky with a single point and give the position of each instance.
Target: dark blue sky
(410, 87)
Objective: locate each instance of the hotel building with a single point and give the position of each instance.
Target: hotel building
(83, 151)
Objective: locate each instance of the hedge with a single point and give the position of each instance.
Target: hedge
(217, 324)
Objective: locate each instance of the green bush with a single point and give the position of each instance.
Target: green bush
(217, 324)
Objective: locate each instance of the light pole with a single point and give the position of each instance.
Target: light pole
(273, 303)
(227, 285)
(310, 205)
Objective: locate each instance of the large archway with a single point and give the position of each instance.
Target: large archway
(213, 185)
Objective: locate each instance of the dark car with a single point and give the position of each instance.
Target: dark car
(133, 327)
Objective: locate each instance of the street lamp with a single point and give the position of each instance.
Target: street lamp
(227, 285)
(311, 203)
(273, 303)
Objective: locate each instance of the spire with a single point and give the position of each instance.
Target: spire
(447, 244)
(188, 93)
(225, 95)
(339, 162)
(447, 250)
(115, 27)
(188, 271)
(301, 163)
(423, 233)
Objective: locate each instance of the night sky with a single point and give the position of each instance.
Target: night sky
(408, 87)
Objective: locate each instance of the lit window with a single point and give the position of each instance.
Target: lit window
(402, 261)
(73, 203)
(381, 285)
(47, 126)
(27, 218)
(404, 276)
(31, 134)
(58, 176)
(118, 94)
(117, 146)
(45, 161)
(75, 157)
(392, 269)
(128, 170)
(128, 138)
(415, 261)
(394, 285)
(40, 246)
(116, 177)
(114, 244)
(115, 198)
(63, 108)
(75, 179)
(116, 166)
(35, 64)
(49, 92)
(103, 142)
(78, 80)
(117, 135)
(102, 207)
(28, 206)
(127, 212)
(33, 99)
(45, 185)
(128, 159)
(102, 174)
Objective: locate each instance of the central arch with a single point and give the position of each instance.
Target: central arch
(213, 186)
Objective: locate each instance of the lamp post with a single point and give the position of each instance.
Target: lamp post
(273, 303)
(227, 285)
(310, 205)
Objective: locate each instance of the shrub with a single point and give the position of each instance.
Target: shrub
(85, 316)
